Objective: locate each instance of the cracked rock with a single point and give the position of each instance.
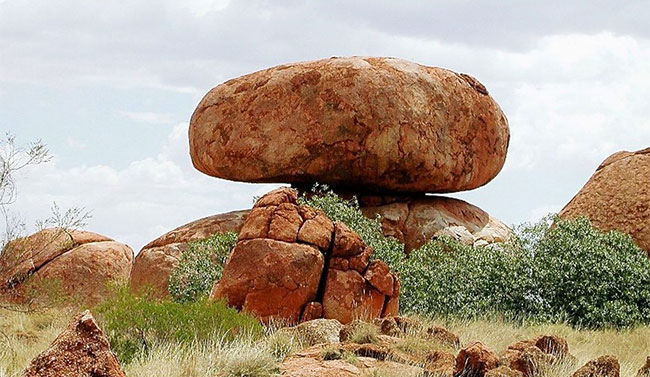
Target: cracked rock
(287, 270)
(384, 124)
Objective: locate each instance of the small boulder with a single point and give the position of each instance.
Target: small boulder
(645, 369)
(475, 359)
(553, 345)
(604, 366)
(80, 350)
(530, 360)
(318, 331)
(443, 336)
(440, 363)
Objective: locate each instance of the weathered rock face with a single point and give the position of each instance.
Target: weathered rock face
(529, 360)
(604, 366)
(383, 123)
(291, 260)
(415, 220)
(79, 263)
(617, 196)
(80, 350)
(532, 356)
(475, 359)
(156, 260)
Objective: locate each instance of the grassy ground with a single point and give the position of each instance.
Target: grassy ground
(23, 336)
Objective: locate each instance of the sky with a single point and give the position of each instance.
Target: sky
(110, 86)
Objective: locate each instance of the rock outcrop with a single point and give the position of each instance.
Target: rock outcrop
(290, 257)
(384, 124)
(157, 259)
(416, 219)
(604, 366)
(413, 220)
(77, 264)
(80, 350)
(617, 196)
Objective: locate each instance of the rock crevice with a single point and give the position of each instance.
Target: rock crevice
(273, 272)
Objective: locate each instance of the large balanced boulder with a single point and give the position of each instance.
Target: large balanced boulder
(76, 264)
(292, 261)
(381, 123)
(80, 350)
(416, 219)
(617, 196)
(158, 258)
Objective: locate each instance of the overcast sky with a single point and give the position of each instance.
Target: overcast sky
(110, 86)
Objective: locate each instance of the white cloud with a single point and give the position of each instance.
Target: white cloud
(138, 203)
(148, 117)
(571, 77)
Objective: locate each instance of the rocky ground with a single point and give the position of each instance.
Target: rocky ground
(400, 346)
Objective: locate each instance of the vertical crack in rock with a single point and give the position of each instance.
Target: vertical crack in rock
(323, 277)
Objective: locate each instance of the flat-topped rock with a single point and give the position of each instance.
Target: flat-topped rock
(382, 123)
(617, 196)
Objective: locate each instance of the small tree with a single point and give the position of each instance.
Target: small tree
(14, 158)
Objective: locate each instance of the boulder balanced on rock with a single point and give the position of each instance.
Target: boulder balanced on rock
(383, 124)
(291, 260)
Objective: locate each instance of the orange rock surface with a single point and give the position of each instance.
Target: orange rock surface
(78, 263)
(381, 123)
(617, 196)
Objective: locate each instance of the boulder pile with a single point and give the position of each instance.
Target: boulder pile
(387, 131)
(292, 262)
(56, 261)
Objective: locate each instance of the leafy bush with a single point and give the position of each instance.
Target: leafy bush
(200, 266)
(387, 249)
(134, 322)
(554, 270)
(568, 271)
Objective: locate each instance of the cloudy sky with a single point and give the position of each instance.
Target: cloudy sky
(110, 86)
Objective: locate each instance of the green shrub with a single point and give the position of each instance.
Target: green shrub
(387, 249)
(590, 278)
(568, 272)
(200, 266)
(134, 322)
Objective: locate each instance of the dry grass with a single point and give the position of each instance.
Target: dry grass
(631, 347)
(23, 336)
